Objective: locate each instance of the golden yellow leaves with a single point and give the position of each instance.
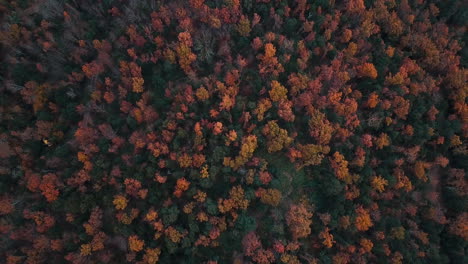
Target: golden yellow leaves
(151, 255)
(278, 92)
(311, 154)
(174, 235)
(402, 180)
(351, 50)
(135, 244)
(185, 160)
(269, 196)
(231, 137)
(340, 166)
(382, 141)
(184, 52)
(137, 84)
(367, 70)
(249, 144)
(270, 50)
(319, 127)
(169, 55)
(378, 183)
(238, 197)
(390, 51)
(85, 250)
(151, 215)
(200, 196)
(262, 108)
(188, 208)
(186, 57)
(120, 202)
(227, 102)
(202, 217)
(96, 244)
(420, 170)
(347, 35)
(204, 172)
(277, 137)
(131, 76)
(127, 218)
(398, 233)
(243, 27)
(202, 94)
(397, 79)
(366, 245)
(455, 141)
(236, 200)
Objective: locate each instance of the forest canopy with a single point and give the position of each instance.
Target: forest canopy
(229, 131)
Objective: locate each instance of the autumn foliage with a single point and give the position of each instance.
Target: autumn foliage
(253, 131)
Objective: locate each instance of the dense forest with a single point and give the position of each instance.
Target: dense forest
(229, 131)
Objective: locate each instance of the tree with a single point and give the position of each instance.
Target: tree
(363, 221)
(277, 137)
(182, 185)
(120, 202)
(135, 244)
(458, 227)
(248, 146)
(373, 100)
(319, 127)
(269, 196)
(327, 238)
(251, 244)
(184, 52)
(299, 219)
(367, 70)
(278, 92)
(378, 183)
(340, 165)
(48, 187)
(268, 62)
(311, 154)
(401, 107)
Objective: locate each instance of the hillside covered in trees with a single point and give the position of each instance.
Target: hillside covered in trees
(233, 131)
